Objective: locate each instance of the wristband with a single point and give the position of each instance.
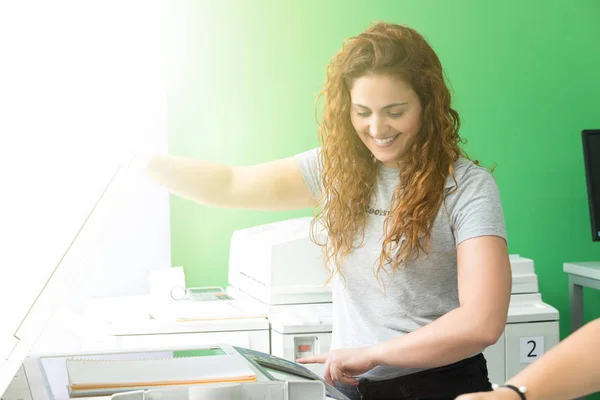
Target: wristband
(521, 390)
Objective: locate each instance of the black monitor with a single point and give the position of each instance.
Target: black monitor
(591, 158)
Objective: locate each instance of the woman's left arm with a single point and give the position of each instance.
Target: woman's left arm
(484, 286)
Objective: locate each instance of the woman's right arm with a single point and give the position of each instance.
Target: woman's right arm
(271, 186)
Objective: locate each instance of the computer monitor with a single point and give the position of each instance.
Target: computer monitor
(591, 156)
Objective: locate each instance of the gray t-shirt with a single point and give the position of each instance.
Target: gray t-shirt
(422, 290)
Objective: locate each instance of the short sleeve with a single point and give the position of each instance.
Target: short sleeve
(475, 206)
(310, 166)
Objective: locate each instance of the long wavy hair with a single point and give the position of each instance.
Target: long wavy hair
(349, 169)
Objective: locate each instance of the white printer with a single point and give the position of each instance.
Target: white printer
(278, 265)
(297, 276)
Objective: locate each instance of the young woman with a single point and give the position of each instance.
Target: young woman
(416, 241)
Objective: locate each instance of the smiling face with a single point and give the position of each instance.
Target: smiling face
(386, 114)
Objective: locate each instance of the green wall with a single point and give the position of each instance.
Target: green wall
(244, 75)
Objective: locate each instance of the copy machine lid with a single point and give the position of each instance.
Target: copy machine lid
(57, 214)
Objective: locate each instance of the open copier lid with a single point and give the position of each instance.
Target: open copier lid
(57, 214)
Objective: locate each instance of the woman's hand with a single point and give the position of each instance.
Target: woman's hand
(343, 365)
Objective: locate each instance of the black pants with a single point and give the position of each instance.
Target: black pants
(466, 376)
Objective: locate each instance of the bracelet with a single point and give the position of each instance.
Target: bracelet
(521, 390)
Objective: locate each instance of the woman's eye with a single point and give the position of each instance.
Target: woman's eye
(396, 115)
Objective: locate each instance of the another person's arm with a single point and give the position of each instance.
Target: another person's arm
(275, 185)
(568, 370)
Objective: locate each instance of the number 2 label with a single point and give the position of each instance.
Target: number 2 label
(531, 348)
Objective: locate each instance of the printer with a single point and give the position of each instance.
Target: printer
(240, 316)
(33, 291)
(278, 264)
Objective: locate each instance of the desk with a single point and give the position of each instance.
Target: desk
(581, 274)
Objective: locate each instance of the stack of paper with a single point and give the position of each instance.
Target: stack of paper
(104, 377)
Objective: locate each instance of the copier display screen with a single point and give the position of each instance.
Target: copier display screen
(282, 369)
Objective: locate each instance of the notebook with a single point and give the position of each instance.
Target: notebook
(88, 376)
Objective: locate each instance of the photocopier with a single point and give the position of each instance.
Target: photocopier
(33, 291)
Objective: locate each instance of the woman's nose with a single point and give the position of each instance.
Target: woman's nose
(377, 127)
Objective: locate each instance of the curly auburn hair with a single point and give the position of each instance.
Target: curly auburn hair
(349, 168)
